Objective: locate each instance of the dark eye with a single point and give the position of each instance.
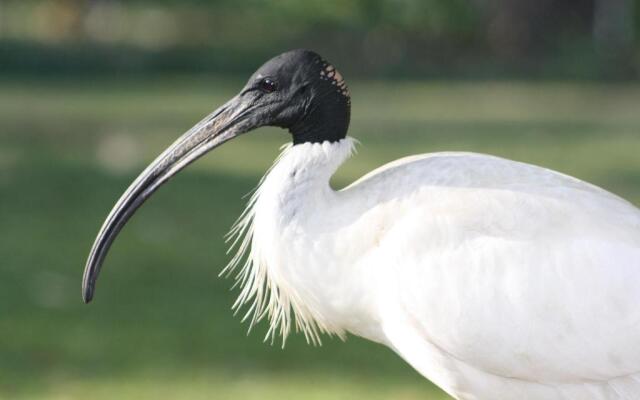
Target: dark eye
(267, 85)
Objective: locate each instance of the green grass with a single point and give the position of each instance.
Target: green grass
(160, 326)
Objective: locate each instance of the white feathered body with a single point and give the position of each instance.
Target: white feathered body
(493, 278)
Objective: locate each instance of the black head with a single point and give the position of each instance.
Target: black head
(296, 90)
(303, 93)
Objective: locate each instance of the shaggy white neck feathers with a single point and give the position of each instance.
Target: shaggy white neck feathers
(272, 227)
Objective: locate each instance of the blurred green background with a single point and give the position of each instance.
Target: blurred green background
(91, 91)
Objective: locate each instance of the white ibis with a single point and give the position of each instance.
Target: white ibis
(493, 278)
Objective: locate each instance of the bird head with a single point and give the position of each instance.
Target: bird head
(297, 90)
(301, 92)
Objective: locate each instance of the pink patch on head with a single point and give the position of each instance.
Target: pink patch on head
(329, 72)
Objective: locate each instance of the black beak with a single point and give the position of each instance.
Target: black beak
(224, 124)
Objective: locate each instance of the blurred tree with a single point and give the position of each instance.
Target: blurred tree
(570, 38)
(613, 34)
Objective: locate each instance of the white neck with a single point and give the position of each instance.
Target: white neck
(292, 263)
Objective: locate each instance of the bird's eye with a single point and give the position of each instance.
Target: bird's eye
(267, 85)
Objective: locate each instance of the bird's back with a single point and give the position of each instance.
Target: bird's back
(482, 195)
(510, 270)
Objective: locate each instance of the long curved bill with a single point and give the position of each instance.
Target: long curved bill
(220, 126)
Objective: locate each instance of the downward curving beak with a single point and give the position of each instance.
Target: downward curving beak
(224, 124)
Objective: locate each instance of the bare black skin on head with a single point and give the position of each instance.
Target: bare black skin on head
(296, 90)
(313, 108)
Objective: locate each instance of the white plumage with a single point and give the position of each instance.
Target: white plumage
(494, 279)
(497, 280)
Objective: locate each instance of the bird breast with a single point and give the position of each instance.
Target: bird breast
(302, 247)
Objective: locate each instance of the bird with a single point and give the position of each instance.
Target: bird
(494, 279)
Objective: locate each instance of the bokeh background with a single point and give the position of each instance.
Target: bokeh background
(91, 91)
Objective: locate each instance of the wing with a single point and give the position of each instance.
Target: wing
(507, 269)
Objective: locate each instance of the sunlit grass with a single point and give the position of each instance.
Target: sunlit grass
(160, 326)
(206, 384)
